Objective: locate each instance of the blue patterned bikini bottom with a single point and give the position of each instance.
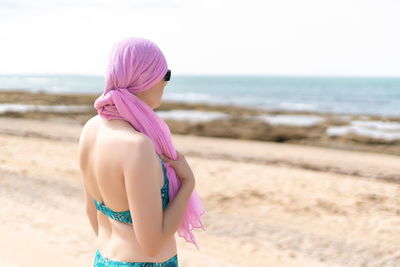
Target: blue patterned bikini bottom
(101, 261)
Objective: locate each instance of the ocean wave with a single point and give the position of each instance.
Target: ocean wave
(42, 108)
(191, 115)
(291, 120)
(388, 131)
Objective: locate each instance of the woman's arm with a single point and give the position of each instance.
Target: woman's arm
(153, 226)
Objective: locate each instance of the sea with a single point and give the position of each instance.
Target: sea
(351, 95)
(334, 95)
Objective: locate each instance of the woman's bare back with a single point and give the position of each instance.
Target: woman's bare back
(103, 178)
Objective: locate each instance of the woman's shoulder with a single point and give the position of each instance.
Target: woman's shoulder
(139, 143)
(119, 129)
(119, 134)
(90, 123)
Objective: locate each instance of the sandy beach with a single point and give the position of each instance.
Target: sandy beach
(288, 113)
(268, 204)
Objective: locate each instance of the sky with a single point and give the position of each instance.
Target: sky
(207, 37)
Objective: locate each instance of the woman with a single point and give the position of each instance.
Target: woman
(138, 189)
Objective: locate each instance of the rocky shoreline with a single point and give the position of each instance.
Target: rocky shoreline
(241, 122)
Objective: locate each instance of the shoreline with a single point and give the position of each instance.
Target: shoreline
(41, 98)
(239, 125)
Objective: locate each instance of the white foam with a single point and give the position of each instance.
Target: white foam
(388, 131)
(42, 108)
(191, 115)
(296, 106)
(378, 125)
(292, 120)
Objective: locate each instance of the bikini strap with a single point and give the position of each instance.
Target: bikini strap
(163, 167)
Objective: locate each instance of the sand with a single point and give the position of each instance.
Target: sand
(268, 204)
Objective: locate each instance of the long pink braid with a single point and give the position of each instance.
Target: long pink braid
(135, 65)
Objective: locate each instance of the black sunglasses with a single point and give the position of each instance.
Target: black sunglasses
(167, 76)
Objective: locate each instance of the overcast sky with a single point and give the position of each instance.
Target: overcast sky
(280, 37)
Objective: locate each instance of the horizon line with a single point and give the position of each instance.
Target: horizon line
(218, 75)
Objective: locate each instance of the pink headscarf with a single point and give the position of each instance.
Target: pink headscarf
(135, 65)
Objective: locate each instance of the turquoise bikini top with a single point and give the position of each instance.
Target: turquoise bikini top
(125, 216)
